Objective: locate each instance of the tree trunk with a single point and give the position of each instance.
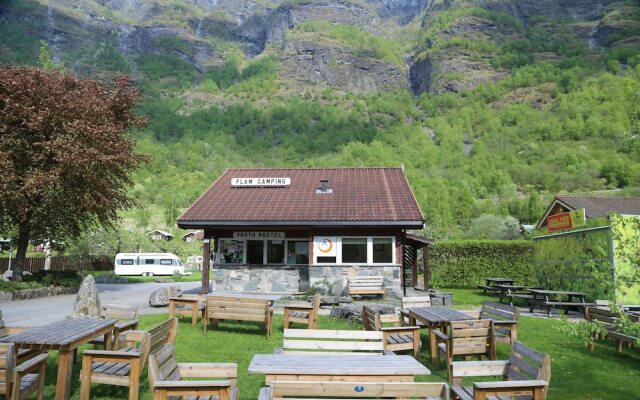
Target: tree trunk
(21, 254)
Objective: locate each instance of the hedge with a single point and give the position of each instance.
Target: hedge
(463, 264)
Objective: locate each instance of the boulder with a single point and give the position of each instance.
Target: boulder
(6, 296)
(112, 279)
(351, 312)
(7, 275)
(160, 297)
(87, 301)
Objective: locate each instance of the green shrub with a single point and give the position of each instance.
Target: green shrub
(467, 263)
(55, 278)
(13, 286)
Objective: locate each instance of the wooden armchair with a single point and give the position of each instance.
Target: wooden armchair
(20, 381)
(526, 374)
(116, 367)
(352, 390)
(505, 320)
(166, 378)
(394, 338)
(23, 354)
(466, 338)
(411, 302)
(127, 317)
(302, 314)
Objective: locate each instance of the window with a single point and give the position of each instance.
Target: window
(326, 260)
(255, 251)
(275, 251)
(231, 251)
(166, 261)
(354, 250)
(382, 250)
(126, 261)
(149, 261)
(298, 252)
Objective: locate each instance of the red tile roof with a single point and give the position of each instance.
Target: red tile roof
(601, 206)
(360, 196)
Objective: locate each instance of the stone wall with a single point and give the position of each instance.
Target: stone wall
(265, 279)
(334, 279)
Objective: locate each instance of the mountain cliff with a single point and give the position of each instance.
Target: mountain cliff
(487, 102)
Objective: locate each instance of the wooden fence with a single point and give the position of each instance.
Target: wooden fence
(102, 263)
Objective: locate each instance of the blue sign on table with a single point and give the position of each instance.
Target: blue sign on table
(359, 389)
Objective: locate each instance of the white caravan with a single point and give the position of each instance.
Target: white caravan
(147, 264)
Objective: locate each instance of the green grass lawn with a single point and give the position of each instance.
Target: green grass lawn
(576, 373)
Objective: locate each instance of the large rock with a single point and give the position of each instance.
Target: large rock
(87, 301)
(8, 274)
(352, 312)
(160, 297)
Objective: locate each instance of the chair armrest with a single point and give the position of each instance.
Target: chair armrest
(31, 364)
(208, 370)
(478, 368)
(400, 329)
(298, 308)
(127, 325)
(109, 355)
(504, 323)
(439, 335)
(510, 385)
(178, 385)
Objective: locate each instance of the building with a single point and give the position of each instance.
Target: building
(286, 230)
(577, 246)
(157, 234)
(193, 236)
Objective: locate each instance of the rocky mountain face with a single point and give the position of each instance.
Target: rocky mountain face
(429, 53)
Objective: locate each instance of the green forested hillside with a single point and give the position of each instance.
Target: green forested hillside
(489, 112)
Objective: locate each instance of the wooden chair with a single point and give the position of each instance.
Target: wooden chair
(610, 321)
(466, 338)
(505, 320)
(166, 378)
(22, 354)
(359, 285)
(354, 390)
(302, 314)
(128, 320)
(323, 341)
(123, 367)
(526, 375)
(395, 338)
(412, 302)
(19, 381)
(238, 309)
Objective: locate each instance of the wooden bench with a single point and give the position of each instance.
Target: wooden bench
(18, 381)
(324, 341)
(128, 317)
(395, 338)
(167, 378)
(359, 285)
(302, 314)
(123, 367)
(22, 354)
(354, 390)
(238, 309)
(505, 320)
(526, 374)
(610, 320)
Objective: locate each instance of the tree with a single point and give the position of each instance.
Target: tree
(45, 59)
(65, 154)
(493, 227)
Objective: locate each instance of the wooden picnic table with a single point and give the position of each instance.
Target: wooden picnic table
(559, 298)
(65, 336)
(435, 318)
(193, 303)
(509, 292)
(492, 284)
(337, 367)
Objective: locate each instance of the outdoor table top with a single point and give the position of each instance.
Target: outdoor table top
(64, 334)
(499, 280)
(559, 292)
(330, 364)
(437, 314)
(513, 287)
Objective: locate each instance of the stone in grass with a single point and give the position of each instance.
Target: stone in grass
(160, 297)
(87, 301)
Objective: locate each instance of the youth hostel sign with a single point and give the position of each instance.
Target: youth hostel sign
(260, 182)
(566, 220)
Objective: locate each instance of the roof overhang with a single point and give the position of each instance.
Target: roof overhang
(298, 224)
(555, 201)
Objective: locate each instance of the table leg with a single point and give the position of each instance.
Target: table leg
(433, 348)
(172, 306)
(194, 315)
(107, 342)
(63, 381)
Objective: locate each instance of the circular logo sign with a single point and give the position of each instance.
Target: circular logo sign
(325, 246)
(359, 389)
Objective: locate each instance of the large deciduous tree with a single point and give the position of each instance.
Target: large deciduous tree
(65, 153)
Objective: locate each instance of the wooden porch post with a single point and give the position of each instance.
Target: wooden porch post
(414, 267)
(425, 266)
(206, 258)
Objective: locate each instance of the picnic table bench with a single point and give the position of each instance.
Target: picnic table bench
(187, 305)
(327, 341)
(557, 298)
(492, 284)
(359, 285)
(610, 320)
(354, 390)
(514, 291)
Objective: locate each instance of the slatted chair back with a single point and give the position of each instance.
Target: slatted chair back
(355, 390)
(603, 315)
(471, 337)
(527, 364)
(321, 341)
(8, 357)
(416, 301)
(374, 321)
(119, 311)
(237, 308)
(163, 334)
(313, 313)
(499, 312)
(359, 285)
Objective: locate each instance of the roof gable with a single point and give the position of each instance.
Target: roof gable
(595, 207)
(357, 196)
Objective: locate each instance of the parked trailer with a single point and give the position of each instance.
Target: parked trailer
(148, 264)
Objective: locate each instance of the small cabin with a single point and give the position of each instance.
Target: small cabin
(157, 234)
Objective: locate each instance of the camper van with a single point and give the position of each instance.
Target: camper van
(147, 264)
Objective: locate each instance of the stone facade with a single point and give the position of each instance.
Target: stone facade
(286, 279)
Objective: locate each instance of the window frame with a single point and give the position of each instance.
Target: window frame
(369, 261)
(286, 241)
